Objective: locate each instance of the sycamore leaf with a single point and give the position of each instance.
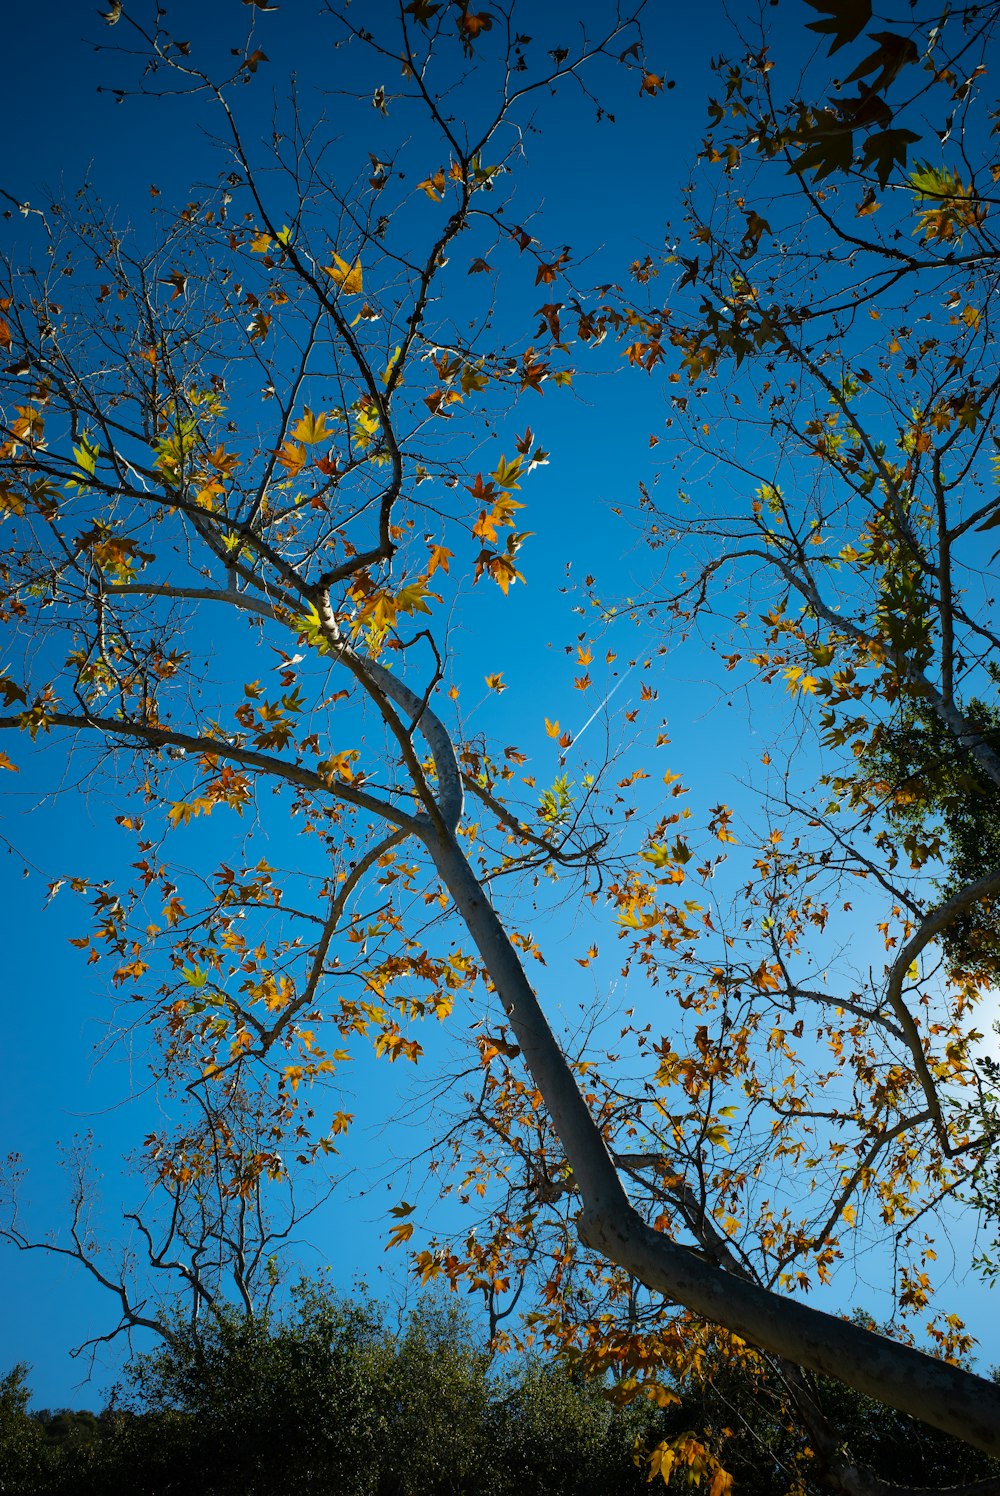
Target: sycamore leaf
(339, 766)
(434, 185)
(311, 429)
(440, 556)
(421, 10)
(258, 327)
(411, 598)
(885, 149)
(953, 207)
(892, 54)
(347, 277)
(182, 811)
(845, 19)
(472, 23)
(490, 1046)
(767, 978)
(472, 380)
(399, 1234)
(507, 473)
(5, 763)
(828, 146)
(502, 513)
(292, 457)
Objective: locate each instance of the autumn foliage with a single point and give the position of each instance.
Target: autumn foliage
(259, 470)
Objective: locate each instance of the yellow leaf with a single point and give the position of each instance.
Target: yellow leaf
(311, 429)
(5, 763)
(722, 1482)
(293, 457)
(387, 374)
(339, 766)
(347, 277)
(399, 1234)
(552, 728)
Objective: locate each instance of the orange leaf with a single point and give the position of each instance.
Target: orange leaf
(440, 556)
(434, 186)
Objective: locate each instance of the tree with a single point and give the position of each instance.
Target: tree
(20, 1438)
(163, 528)
(219, 1410)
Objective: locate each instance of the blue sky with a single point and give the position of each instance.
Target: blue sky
(605, 186)
(602, 185)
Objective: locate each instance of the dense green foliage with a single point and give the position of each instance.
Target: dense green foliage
(324, 1399)
(936, 792)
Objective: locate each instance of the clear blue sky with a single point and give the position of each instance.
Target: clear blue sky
(611, 187)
